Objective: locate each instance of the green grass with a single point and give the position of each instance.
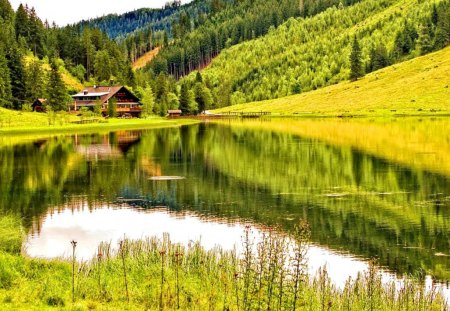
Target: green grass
(18, 125)
(415, 87)
(165, 276)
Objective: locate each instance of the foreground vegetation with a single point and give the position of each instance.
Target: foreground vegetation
(380, 93)
(156, 274)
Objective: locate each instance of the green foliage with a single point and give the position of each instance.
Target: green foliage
(35, 81)
(185, 99)
(112, 108)
(17, 74)
(305, 54)
(148, 101)
(356, 69)
(57, 96)
(5, 82)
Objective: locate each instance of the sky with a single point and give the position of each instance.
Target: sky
(64, 12)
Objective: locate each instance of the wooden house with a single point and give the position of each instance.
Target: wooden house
(126, 102)
(39, 105)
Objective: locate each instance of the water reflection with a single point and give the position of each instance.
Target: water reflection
(357, 201)
(111, 224)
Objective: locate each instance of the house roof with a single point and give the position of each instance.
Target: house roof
(104, 92)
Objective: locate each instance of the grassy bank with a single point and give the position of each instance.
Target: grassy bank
(19, 126)
(420, 86)
(155, 274)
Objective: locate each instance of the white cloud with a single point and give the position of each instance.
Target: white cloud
(65, 12)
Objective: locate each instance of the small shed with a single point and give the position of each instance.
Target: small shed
(174, 113)
(38, 105)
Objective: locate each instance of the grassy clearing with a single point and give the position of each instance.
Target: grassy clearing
(154, 274)
(146, 58)
(418, 86)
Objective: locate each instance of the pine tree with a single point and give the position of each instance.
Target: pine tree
(355, 61)
(57, 96)
(17, 74)
(424, 41)
(5, 82)
(34, 81)
(184, 99)
(22, 25)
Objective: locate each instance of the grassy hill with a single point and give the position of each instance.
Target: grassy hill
(305, 54)
(415, 86)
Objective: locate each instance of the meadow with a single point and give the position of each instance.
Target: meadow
(154, 274)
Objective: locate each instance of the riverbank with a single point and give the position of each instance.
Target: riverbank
(158, 275)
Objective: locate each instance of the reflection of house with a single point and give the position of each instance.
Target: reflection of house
(114, 145)
(126, 102)
(38, 105)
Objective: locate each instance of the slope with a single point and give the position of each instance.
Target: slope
(146, 58)
(420, 84)
(305, 54)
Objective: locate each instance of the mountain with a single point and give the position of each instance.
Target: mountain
(305, 54)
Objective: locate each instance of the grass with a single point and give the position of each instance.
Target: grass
(155, 274)
(418, 86)
(31, 125)
(146, 58)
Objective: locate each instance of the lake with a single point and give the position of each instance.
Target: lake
(368, 189)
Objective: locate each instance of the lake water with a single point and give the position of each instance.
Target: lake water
(369, 189)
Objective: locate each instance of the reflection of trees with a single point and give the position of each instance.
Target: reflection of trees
(354, 202)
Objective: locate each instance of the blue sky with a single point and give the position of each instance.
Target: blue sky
(65, 12)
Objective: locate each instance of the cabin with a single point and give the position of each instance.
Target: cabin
(174, 113)
(126, 102)
(39, 105)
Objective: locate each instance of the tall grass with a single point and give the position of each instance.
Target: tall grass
(156, 274)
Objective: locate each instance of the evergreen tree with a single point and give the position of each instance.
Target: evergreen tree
(34, 81)
(424, 41)
(185, 100)
(378, 58)
(5, 82)
(442, 36)
(22, 25)
(17, 74)
(102, 66)
(6, 11)
(148, 101)
(355, 61)
(57, 96)
(112, 108)
(203, 96)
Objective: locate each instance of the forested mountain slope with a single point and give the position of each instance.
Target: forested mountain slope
(417, 86)
(305, 54)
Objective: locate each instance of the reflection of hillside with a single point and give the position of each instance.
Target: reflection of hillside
(422, 143)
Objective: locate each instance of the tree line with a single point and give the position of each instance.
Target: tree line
(33, 52)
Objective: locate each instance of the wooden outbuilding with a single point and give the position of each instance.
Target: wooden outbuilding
(174, 113)
(39, 105)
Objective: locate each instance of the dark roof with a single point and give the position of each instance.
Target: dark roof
(104, 92)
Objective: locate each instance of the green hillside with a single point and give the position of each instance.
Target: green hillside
(306, 54)
(415, 86)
